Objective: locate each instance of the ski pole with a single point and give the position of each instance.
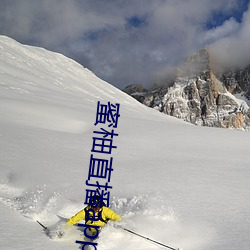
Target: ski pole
(45, 228)
(150, 239)
(59, 234)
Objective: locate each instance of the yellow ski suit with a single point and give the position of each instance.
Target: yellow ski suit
(106, 215)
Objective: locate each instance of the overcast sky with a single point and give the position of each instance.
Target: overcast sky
(131, 41)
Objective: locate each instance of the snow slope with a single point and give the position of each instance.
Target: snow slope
(176, 183)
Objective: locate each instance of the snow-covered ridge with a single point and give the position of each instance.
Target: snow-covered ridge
(33, 66)
(33, 74)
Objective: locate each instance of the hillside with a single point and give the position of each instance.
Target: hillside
(183, 185)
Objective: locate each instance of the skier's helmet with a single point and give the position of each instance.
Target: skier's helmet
(96, 202)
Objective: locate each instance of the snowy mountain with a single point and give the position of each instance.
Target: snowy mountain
(201, 96)
(182, 185)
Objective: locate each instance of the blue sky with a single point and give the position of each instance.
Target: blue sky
(218, 17)
(131, 41)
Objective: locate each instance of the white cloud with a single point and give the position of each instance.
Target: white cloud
(228, 28)
(233, 50)
(97, 32)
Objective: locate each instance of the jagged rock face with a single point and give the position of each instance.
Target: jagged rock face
(237, 81)
(205, 102)
(199, 97)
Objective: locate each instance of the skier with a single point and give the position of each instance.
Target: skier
(102, 215)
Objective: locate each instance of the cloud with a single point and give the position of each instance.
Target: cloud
(121, 41)
(228, 28)
(232, 50)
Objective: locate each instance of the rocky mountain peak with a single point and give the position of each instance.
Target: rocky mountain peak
(197, 64)
(200, 96)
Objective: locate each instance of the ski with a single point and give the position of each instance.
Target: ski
(62, 218)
